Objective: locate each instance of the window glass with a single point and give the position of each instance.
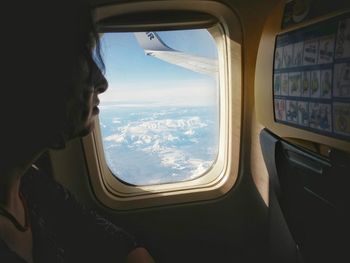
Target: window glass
(159, 118)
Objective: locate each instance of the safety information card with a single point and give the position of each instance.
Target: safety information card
(311, 80)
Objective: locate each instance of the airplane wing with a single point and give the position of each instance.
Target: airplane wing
(155, 47)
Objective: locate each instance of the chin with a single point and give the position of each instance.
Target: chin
(86, 128)
(84, 132)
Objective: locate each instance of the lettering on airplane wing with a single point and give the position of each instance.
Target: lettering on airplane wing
(150, 35)
(155, 47)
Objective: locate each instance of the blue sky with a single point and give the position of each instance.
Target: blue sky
(135, 78)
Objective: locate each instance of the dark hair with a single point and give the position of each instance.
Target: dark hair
(45, 41)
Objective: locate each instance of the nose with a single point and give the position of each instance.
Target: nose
(102, 84)
(99, 81)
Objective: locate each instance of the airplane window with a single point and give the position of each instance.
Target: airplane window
(159, 119)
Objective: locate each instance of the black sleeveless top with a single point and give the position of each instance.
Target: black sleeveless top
(64, 230)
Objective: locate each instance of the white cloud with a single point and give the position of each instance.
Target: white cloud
(189, 132)
(162, 140)
(199, 167)
(116, 121)
(118, 138)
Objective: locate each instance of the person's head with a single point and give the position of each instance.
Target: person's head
(51, 75)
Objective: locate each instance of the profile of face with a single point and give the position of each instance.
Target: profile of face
(83, 106)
